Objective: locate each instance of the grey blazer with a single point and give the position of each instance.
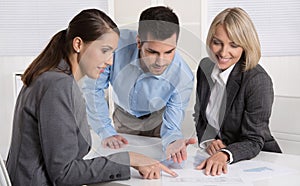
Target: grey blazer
(247, 107)
(51, 136)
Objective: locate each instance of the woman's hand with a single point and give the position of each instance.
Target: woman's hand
(215, 165)
(215, 147)
(114, 142)
(148, 167)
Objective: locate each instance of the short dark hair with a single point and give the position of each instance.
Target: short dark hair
(161, 22)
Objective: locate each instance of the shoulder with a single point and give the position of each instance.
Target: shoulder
(256, 81)
(127, 38)
(205, 67)
(127, 48)
(258, 73)
(55, 80)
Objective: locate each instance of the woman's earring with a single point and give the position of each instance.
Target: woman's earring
(78, 51)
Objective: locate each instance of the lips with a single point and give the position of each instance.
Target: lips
(223, 60)
(101, 69)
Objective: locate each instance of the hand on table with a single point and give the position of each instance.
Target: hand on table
(177, 150)
(114, 142)
(215, 165)
(147, 167)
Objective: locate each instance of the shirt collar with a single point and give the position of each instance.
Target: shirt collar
(218, 74)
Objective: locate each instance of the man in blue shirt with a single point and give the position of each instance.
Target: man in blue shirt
(151, 83)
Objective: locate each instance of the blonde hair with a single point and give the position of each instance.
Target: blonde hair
(241, 31)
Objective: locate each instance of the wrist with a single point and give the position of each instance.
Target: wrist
(228, 154)
(132, 159)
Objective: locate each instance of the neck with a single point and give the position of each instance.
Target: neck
(74, 60)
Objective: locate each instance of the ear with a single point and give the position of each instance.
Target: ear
(77, 44)
(139, 42)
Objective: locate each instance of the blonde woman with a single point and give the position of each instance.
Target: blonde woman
(234, 94)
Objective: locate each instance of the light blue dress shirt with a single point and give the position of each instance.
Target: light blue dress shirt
(140, 93)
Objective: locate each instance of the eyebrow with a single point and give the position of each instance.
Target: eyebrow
(108, 46)
(214, 37)
(154, 51)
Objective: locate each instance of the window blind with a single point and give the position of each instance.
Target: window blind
(277, 23)
(28, 25)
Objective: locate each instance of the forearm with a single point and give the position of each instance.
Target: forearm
(100, 169)
(97, 108)
(171, 128)
(244, 150)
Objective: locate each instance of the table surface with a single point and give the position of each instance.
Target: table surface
(152, 147)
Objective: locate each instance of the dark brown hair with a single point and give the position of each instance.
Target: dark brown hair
(89, 25)
(161, 22)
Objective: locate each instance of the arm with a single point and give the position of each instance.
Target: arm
(98, 112)
(64, 135)
(255, 121)
(97, 108)
(172, 138)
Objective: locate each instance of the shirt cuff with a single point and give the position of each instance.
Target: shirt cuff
(229, 153)
(106, 132)
(205, 144)
(166, 141)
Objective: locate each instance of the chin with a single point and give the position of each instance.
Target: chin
(222, 66)
(157, 73)
(93, 76)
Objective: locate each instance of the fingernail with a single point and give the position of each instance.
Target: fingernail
(175, 174)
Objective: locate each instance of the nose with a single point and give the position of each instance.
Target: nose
(224, 51)
(110, 60)
(159, 61)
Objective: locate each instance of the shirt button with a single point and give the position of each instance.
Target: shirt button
(118, 175)
(111, 176)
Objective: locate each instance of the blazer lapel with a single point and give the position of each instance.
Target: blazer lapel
(206, 67)
(233, 85)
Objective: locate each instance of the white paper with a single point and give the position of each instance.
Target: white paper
(259, 170)
(188, 175)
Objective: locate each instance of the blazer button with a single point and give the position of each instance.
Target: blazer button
(118, 175)
(111, 176)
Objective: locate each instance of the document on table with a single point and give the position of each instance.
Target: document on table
(259, 170)
(243, 173)
(190, 176)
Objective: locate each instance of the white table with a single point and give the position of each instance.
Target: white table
(152, 148)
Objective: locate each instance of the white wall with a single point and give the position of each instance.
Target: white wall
(285, 119)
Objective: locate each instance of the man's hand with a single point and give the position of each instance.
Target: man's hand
(215, 147)
(177, 149)
(114, 142)
(215, 165)
(148, 167)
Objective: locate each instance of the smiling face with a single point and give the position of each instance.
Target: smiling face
(226, 51)
(97, 55)
(156, 55)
